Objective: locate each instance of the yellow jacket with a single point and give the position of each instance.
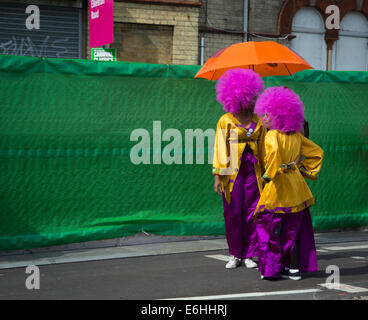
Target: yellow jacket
(231, 140)
(285, 190)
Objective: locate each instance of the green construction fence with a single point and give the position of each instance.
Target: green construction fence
(80, 161)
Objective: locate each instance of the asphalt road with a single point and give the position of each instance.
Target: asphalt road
(191, 275)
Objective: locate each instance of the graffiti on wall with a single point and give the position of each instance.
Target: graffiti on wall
(24, 46)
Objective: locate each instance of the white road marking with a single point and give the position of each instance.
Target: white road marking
(343, 287)
(247, 295)
(359, 258)
(221, 257)
(337, 248)
(334, 286)
(321, 250)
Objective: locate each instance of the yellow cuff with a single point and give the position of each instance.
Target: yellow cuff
(308, 174)
(216, 171)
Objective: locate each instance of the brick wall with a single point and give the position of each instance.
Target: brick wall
(221, 22)
(219, 15)
(263, 15)
(263, 18)
(147, 43)
(182, 19)
(225, 14)
(214, 42)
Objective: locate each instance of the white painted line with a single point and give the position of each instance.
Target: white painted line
(337, 248)
(359, 258)
(221, 257)
(321, 250)
(343, 287)
(247, 295)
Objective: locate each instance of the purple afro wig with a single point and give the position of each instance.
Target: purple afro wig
(283, 106)
(237, 88)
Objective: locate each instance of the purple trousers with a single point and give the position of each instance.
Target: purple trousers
(277, 235)
(240, 227)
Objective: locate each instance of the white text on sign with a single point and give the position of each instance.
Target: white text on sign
(94, 4)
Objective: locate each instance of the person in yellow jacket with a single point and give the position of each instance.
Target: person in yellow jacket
(282, 213)
(237, 162)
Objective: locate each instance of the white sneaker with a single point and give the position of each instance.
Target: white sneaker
(233, 263)
(294, 274)
(250, 264)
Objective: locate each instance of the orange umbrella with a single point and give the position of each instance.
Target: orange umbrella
(267, 58)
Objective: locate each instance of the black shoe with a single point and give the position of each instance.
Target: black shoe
(284, 274)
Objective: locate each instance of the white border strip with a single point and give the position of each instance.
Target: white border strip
(343, 287)
(247, 295)
(339, 248)
(221, 257)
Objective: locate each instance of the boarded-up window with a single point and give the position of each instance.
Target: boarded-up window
(143, 42)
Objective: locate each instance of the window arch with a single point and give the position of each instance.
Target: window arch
(291, 7)
(350, 51)
(308, 29)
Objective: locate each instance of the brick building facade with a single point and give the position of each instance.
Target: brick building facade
(156, 31)
(188, 32)
(199, 29)
(223, 23)
(298, 24)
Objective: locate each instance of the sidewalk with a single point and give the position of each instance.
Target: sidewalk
(147, 245)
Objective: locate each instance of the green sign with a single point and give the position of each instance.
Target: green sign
(101, 54)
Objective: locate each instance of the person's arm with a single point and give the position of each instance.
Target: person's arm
(219, 154)
(220, 149)
(311, 165)
(262, 148)
(272, 157)
(305, 132)
(217, 186)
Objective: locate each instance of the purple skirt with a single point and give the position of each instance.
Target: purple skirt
(277, 235)
(240, 227)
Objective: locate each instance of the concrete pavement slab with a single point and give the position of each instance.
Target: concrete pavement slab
(146, 245)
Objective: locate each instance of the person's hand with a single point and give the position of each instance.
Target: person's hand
(217, 185)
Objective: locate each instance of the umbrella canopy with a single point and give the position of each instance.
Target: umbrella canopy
(267, 58)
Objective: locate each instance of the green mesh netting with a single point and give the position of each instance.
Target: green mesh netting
(65, 150)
